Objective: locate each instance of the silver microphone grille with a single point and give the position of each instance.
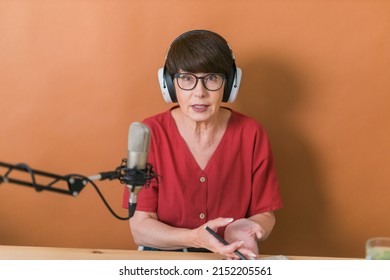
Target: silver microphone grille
(139, 138)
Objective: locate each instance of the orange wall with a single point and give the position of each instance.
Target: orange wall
(75, 74)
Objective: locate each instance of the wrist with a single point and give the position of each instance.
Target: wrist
(192, 239)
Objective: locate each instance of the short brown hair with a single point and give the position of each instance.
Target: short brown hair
(199, 51)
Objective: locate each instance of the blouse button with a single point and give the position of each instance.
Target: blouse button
(202, 179)
(202, 216)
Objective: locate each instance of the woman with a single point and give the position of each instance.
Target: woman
(215, 164)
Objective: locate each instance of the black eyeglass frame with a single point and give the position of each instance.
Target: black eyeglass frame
(177, 75)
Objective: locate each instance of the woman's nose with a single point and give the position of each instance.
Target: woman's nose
(200, 89)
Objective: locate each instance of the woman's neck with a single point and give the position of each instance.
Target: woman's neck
(204, 131)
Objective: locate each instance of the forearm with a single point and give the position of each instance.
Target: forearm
(150, 232)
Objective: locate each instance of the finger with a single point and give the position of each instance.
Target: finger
(259, 234)
(249, 254)
(229, 251)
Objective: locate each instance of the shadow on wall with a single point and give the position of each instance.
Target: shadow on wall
(272, 93)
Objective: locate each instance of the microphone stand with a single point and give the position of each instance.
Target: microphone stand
(76, 183)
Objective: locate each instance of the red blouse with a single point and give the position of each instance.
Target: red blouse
(239, 179)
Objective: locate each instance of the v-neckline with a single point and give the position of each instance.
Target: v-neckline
(187, 150)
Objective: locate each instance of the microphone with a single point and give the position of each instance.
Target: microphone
(138, 148)
(134, 172)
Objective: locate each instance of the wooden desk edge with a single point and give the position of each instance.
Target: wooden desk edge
(53, 253)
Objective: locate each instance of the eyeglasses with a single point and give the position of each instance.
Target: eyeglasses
(188, 81)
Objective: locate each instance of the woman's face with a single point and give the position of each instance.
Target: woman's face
(199, 104)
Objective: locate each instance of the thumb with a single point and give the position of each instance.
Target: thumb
(219, 222)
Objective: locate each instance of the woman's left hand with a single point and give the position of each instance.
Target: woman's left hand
(246, 230)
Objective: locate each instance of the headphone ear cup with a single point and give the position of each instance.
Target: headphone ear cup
(232, 84)
(235, 86)
(166, 86)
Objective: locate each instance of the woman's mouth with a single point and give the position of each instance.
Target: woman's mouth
(199, 108)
